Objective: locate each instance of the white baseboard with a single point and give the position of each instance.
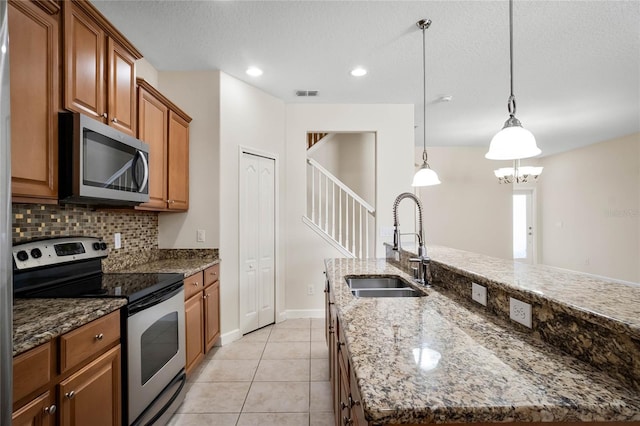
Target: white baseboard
(230, 336)
(304, 313)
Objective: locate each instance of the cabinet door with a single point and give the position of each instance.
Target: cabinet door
(211, 315)
(153, 126)
(122, 98)
(84, 44)
(39, 412)
(92, 395)
(178, 178)
(194, 322)
(34, 101)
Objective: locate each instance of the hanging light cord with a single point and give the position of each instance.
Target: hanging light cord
(511, 105)
(423, 25)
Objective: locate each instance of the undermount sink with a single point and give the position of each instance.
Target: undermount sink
(383, 286)
(387, 292)
(376, 282)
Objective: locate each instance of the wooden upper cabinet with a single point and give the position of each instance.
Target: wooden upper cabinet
(122, 80)
(165, 127)
(99, 68)
(84, 44)
(153, 128)
(35, 100)
(178, 191)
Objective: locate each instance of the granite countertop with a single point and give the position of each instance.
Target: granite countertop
(186, 266)
(611, 303)
(431, 360)
(36, 321)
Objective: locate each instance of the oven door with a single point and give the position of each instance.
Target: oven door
(156, 349)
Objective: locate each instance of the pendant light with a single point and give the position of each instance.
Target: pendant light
(513, 142)
(424, 176)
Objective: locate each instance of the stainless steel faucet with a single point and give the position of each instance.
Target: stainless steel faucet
(423, 275)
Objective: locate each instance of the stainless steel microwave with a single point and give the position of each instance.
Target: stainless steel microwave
(99, 164)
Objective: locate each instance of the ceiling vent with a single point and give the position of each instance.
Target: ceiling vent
(306, 93)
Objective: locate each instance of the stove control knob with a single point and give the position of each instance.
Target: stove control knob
(103, 246)
(22, 255)
(96, 246)
(36, 253)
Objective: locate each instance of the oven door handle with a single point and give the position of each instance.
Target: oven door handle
(155, 299)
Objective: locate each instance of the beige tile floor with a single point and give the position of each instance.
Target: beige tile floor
(278, 375)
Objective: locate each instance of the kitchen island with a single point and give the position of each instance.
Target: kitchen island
(430, 359)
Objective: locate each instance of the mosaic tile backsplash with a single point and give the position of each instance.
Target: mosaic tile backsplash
(138, 229)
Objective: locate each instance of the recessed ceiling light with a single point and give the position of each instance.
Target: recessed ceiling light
(254, 71)
(358, 72)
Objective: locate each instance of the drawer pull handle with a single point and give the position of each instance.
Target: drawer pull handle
(99, 336)
(70, 395)
(50, 410)
(195, 283)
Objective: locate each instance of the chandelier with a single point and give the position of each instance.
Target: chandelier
(518, 173)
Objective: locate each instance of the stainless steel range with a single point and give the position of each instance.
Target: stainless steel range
(153, 329)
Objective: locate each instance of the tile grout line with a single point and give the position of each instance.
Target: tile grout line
(254, 374)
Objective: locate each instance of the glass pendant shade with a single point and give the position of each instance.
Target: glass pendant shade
(425, 177)
(512, 143)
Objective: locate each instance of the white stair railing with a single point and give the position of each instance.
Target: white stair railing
(341, 216)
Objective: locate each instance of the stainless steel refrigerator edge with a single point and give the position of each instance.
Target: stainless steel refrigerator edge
(6, 268)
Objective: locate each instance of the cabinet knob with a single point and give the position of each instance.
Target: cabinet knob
(50, 410)
(104, 115)
(171, 201)
(99, 336)
(346, 421)
(115, 120)
(70, 395)
(205, 296)
(195, 283)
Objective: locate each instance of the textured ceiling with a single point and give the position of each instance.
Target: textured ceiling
(577, 63)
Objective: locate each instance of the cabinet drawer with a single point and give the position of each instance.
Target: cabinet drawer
(193, 284)
(31, 370)
(211, 275)
(89, 340)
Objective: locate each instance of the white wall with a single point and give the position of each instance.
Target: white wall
(589, 208)
(393, 126)
(470, 210)
(197, 93)
(145, 70)
(249, 118)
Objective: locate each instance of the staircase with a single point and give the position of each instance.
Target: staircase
(314, 138)
(338, 214)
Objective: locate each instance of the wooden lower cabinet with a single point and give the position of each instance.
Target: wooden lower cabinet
(347, 406)
(202, 314)
(39, 412)
(194, 314)
(92, 395)
(66, 382)
(211, 315)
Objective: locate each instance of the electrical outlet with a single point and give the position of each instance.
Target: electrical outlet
(200, 235)
(479, 293)
(310, 289)
(117, 241)
(520, 312)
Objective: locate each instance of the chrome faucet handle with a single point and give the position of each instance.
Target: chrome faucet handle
(418, 274)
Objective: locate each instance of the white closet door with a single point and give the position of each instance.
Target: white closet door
(257, 242)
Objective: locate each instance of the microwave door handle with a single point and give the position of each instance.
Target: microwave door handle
(145, 178)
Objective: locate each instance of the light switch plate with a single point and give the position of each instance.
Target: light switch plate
(117, 241)
(201, 236)
(479, 293)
